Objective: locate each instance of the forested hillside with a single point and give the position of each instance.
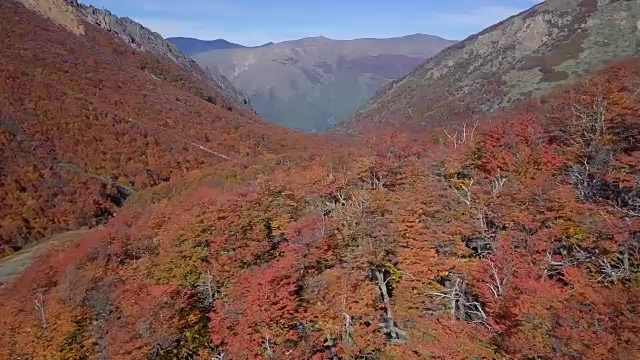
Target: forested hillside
(86, 120)
(516, 237)
(510, 235)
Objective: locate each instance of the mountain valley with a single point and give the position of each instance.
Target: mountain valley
(485, 205)
(315, 83)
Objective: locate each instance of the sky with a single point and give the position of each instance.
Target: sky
(255, 22)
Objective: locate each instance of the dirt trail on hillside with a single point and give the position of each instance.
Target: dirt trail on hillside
(15, 264)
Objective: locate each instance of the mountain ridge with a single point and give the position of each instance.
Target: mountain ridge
(71, 14)
(193, 46)
(316, 82)
(556, 40)
(512, 236)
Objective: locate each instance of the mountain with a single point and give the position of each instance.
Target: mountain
(191, 46)
(519, 57)
(165, 221)
(315, 83)
(70, 12)
(87, 120)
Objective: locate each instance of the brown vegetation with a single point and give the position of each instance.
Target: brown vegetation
(87, 120)
(515, 236)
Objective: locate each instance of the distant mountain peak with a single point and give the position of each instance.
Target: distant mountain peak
(193, 46)
(310, 40)
(316, 82)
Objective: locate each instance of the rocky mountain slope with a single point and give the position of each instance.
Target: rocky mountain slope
(522, 56)
(86, 121)
(226, 237)
(314, 83)
(191, 46)
(73, 15)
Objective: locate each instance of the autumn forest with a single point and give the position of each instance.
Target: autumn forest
(207, 233)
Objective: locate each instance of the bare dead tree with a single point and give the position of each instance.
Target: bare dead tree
(339, 199)
(347, 329)
(586, 183)
(206, 289)
(554, 267)
(156, 351)
(610, 269)
(482, 221)
(588, 124)
(377, 180)
(613, 270)
(499, 281)
(484, 244)
(210, 151)
(330, 173)
(462, 134)
(464, 193)
(462, 307)
(266, 346)
(39, 301)
(572, 257)
(321, 228)
(592, 187)
(497, 182)
(633, 208)
(388, 326)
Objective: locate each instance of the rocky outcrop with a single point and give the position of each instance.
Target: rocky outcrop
(71, 14)
(522, 56)
(144, 39)
(132, 33)
(58, 11)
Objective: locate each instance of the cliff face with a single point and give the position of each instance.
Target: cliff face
(71, 14)
(132, 33)
(519, 57)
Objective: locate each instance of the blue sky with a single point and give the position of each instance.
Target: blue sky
(254, 22)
